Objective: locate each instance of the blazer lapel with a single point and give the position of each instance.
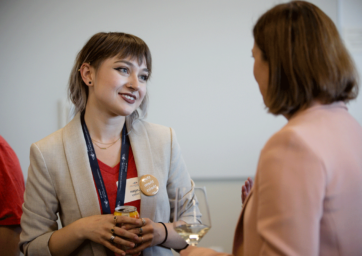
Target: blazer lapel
(247, 199)
(144, 162)
(79, 168)
(239, 231)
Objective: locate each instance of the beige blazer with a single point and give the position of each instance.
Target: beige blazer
(307, 194)
(60, 181)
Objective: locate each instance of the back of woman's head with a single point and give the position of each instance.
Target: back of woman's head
(100, 47)
(307, 59)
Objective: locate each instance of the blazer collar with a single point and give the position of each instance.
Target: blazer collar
(247, 199)
(143, 157)
(81, 173)
(79, 168)
(239, 231)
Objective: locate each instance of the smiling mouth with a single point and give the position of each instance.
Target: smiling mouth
(128, 97)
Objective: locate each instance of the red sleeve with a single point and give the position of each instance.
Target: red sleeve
(11, 186)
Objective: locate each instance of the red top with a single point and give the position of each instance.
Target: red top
(11, 186)
(110, 179)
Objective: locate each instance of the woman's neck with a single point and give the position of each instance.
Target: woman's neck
(103, 127)
(312, 104)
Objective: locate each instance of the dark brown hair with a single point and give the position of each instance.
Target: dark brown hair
(102, 46)
(306, 56)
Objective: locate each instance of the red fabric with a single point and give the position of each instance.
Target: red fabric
(11, 186)
(110, 177)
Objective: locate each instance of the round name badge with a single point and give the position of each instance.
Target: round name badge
(149, 185)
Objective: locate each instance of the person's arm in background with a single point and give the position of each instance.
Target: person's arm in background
(9, 240)
(11, 198)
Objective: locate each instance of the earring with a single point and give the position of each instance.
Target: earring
(90, 82)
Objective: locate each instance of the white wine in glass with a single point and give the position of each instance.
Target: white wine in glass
(192, 217)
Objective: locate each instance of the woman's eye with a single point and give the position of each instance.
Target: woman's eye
(144, 77)
(123, 70)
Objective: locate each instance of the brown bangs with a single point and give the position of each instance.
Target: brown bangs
(100, 47)
(109, 45)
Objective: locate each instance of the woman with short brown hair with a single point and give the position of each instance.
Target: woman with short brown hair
(307, 188)
(306, 56)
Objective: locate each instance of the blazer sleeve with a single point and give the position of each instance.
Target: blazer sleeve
(179, 177)
(40, 206)
(291, 188)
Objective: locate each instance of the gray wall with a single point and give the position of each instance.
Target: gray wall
(202, 84)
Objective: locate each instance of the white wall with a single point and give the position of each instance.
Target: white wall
(202, 84)
(350, 24)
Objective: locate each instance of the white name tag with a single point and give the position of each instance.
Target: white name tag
(133, 192)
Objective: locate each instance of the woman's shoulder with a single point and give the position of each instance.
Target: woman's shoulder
(305, 133)
(56, 139)
(53, 140)
(152, 128)
(288, 136)
(157, 135)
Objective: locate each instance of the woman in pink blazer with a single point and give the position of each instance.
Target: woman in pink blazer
(306, 197)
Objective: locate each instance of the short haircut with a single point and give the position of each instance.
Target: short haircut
(306, 56)
(100, 47)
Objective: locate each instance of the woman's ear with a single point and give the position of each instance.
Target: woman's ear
(86, 71)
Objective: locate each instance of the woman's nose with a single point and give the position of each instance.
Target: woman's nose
(133, 82)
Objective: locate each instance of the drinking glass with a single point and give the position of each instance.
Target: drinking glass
(191, 215)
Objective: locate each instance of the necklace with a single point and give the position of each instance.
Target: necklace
(110, 144)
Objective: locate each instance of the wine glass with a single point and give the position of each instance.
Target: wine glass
(192, 216)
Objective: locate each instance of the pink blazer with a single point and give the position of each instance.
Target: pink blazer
(307, 194)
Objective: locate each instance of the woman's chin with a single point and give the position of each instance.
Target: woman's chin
(124, 112)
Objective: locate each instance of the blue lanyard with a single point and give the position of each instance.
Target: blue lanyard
(97, 175)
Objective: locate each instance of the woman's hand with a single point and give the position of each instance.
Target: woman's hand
(245, 189)
(149, 232)
(107, 230)
(101, 229)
